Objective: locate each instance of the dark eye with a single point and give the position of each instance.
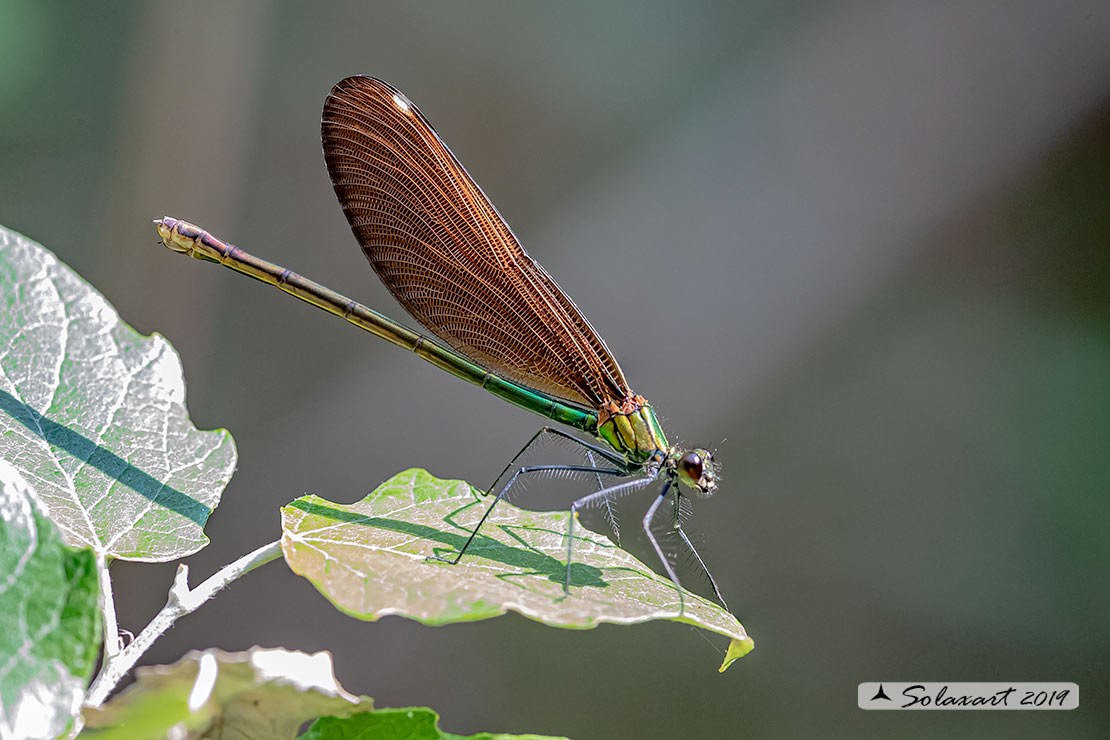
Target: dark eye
(692, 465)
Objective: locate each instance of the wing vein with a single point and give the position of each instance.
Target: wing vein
(447, 255)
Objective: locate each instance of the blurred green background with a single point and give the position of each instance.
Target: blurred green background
(875, 241)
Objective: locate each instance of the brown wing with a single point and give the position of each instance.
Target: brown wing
(446, 254)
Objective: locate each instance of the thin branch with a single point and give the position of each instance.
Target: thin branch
(182, 600)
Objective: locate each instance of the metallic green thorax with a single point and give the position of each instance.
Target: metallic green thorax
(636, 435)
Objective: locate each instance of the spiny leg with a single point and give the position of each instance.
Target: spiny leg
(610, 512)
(614, 459)
(590, 450)
(603, 495)
(689, 544)
(523, 471)
(655, 543)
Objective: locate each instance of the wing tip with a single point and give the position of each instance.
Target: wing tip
(359, 83)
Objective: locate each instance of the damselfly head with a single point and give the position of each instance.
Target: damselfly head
(695, 468)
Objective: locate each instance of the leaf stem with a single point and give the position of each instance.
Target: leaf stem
(181, 601)
(112, 645)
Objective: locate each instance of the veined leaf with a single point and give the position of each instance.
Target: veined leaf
(49, 619)
(214, 694)
(93, 415)
(369, 558)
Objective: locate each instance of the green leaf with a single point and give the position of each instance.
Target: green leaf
(213, 694)
(369, 558)
(93, 415)
(411, 723)
(49, 619)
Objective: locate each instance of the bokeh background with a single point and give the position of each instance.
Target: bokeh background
(863, 243)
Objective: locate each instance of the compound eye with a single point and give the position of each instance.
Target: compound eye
(692, 466)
